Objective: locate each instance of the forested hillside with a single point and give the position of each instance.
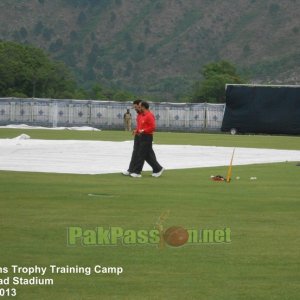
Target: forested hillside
(155, 47)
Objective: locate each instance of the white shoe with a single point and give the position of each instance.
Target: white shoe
(159, 173)
(126, 173)
(135, 175)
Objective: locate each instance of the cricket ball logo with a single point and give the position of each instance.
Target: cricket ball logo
(174, 236)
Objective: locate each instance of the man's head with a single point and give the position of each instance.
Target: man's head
(128, 111)
(144, 106)
(136, 105)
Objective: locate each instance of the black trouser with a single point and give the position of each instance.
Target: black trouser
(134, 153)
(144, 152)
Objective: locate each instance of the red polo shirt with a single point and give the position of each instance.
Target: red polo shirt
(146, 122)
(138, 120)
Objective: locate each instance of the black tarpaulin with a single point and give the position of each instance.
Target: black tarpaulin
(262, 109)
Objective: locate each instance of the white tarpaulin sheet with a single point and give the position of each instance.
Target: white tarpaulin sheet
(24, 126)
(99, 157)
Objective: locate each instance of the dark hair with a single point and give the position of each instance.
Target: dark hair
(145, 104)
(137, 101)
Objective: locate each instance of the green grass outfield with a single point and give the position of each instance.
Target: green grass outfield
(261, 262)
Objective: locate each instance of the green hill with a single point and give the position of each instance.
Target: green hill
(156, 47)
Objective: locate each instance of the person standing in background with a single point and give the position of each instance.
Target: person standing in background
(127, 120)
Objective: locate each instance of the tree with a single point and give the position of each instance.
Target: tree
(123, 96)
(216, 75)
(38, 28)
(27, 71)
(81, 18)
(99, 92)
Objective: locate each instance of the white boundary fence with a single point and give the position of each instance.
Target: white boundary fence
(108, 114)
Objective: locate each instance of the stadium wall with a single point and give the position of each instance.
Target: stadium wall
(108, 114)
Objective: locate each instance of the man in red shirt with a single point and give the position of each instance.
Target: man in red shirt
(136, 106)
(145, 129)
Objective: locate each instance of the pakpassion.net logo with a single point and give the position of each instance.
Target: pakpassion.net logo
(173, 236)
